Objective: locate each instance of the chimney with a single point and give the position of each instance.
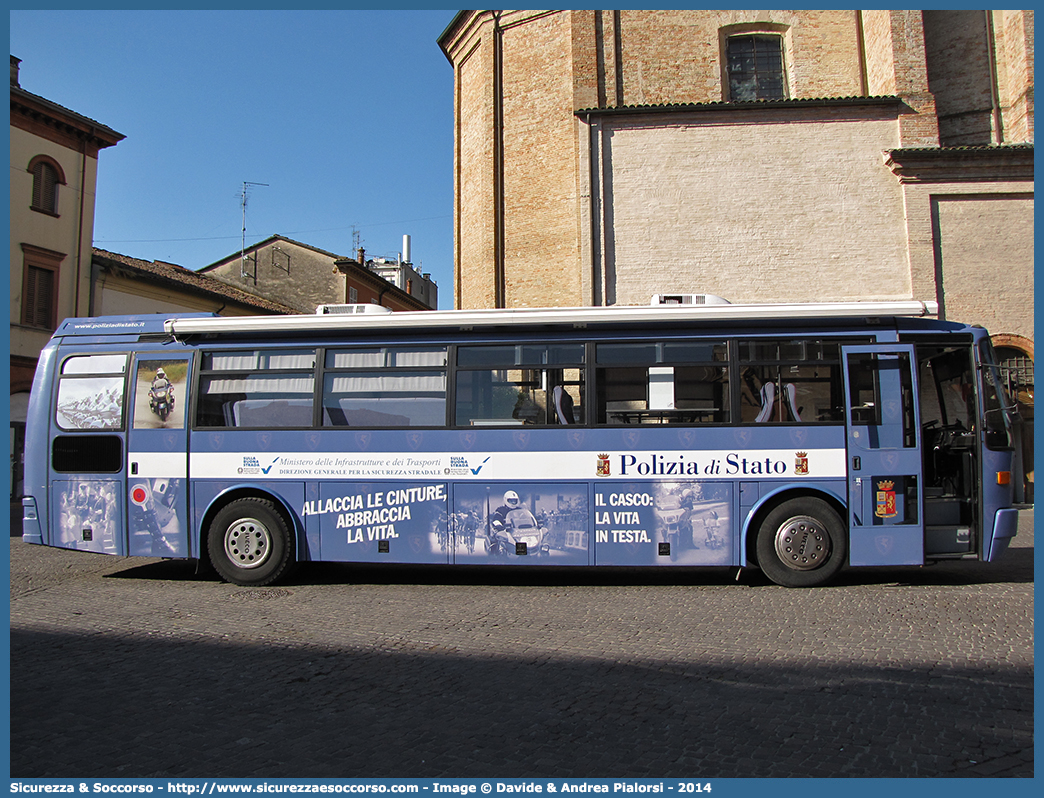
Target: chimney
(362, 256)
(14, 71)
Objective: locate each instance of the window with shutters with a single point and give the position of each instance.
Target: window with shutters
(40, 287)
(47, 176)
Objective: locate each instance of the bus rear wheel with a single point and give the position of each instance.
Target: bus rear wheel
(249, 542)
(802, 543)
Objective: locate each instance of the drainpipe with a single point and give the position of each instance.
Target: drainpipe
(499, 278)
(861, 44)
(997, 133)
(79, 223)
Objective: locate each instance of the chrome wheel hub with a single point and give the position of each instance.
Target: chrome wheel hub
(248, 543)
(802, 543)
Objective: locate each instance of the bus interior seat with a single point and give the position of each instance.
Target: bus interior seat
(795, 411)
(228, 412)
(768, 400)
(563, 405)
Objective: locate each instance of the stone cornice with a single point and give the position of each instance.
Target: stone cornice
(674, 108)
(961, 164)
(41, 117)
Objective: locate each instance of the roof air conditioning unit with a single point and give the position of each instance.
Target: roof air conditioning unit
(688, 299)
(322, 310)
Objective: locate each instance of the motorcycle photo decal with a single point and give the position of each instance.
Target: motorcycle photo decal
(660, 523)
(537, 523)
(160, 394)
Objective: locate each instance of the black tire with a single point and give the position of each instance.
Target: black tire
(250, 543)
(802, 543)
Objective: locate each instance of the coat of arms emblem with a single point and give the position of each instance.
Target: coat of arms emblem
(885, 505)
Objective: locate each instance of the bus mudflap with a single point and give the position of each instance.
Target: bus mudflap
(1005, 527)
(31, 532)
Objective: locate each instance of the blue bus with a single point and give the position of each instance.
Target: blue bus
(794, 438)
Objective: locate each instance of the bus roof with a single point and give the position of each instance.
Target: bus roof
(577, 317)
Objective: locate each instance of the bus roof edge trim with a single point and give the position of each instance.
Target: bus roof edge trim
(466, 319)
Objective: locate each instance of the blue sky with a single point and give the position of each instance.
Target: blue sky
(346, 115)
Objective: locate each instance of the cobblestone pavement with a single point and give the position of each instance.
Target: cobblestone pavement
(125, 667)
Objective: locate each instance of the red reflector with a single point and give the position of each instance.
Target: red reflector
(1003, 477)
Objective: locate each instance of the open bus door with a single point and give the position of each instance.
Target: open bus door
(885, 479)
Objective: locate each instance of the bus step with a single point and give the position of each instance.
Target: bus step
(947, 539)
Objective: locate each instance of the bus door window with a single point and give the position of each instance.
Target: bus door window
(947, 404)
(998, 406)
(662, 382)
(385, 387)
(160, 393)
(887, 428)
(790, 382)
(256, 388)
(519, 384)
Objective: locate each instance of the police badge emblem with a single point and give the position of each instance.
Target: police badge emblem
(885, 506)
(801, 462)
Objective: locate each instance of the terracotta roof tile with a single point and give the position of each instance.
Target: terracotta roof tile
(188, 279)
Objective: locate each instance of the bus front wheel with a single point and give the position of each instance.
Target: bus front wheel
(249, 542)
(802, 543)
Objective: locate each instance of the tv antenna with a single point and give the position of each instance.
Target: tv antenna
(242, 251)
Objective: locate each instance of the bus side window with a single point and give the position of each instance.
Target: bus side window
(519, 384)
(790, 382)
(385, 387)
(263, 389)
(671, 382)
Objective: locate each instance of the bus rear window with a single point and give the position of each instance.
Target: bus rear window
(90, 393)
(87, 454)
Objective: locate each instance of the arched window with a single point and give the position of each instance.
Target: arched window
(1015, 357)
(47, 176)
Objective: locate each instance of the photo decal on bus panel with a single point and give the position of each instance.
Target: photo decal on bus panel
(90, 403)
(381, 521)
(89, 517)
(536, 522)
(658, 523)
(156, 526)
(88, 513)
(641, 523)
(499, 523)
(159, 396)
